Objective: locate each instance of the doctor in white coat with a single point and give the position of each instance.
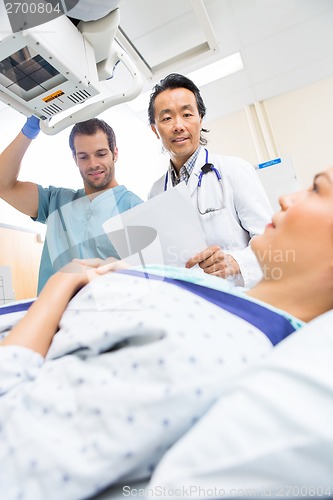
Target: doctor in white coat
(229, 197)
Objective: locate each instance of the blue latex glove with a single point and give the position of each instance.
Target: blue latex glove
(31, 127)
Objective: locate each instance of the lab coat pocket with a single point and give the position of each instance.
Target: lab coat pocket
(219, 229)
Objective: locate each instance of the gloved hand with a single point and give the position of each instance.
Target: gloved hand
(31, 127)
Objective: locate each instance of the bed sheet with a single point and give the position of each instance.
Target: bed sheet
(270, 435)
(11, 313)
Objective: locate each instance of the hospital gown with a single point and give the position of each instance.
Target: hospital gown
(135, 364)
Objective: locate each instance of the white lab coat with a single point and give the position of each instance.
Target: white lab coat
(247, 209)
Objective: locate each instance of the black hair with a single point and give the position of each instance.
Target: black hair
(90, 127)
(176, 81)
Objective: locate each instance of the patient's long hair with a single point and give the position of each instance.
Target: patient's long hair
(90, 127)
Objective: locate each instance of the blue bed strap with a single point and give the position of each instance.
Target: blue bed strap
(275, 326)
(11, 308)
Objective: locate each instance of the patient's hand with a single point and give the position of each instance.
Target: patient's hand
(96, 267)
(36, 329)
(79, 272)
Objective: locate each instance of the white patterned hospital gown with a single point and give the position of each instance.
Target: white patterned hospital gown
(134, 365)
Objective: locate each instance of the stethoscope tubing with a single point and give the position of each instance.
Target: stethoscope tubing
(208, 167)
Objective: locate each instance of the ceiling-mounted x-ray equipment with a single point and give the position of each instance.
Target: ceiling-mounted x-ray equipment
(63, 73)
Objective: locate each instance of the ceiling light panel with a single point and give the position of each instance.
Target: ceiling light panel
(165, 33)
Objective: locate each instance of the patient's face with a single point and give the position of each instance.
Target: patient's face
(300, 237)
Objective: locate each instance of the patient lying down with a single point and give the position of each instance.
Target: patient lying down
(148, 359)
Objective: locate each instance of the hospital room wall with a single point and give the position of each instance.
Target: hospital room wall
(297, 124)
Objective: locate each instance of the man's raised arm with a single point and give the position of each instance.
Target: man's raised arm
(21, 195)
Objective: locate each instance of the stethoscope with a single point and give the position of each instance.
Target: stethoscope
(208, 167)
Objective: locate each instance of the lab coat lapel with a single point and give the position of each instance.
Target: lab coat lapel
(193, 180)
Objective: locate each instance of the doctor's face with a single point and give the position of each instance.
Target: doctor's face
(177, 124)
(300, 237)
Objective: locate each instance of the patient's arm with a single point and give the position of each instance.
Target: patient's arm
(37, 328)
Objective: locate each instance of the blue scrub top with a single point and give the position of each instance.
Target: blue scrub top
(74, 225)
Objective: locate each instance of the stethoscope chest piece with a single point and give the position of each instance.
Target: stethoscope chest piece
(209, 167)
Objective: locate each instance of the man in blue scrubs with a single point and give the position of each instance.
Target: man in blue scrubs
(74, 217)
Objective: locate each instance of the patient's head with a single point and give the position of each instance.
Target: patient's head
(299, 240)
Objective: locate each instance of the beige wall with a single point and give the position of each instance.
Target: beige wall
(21, 250)
(298, 124)
(302, 124)
(232, 136)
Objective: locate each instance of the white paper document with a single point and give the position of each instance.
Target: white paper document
(164, 230)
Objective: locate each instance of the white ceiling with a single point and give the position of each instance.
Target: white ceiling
(285, 44)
